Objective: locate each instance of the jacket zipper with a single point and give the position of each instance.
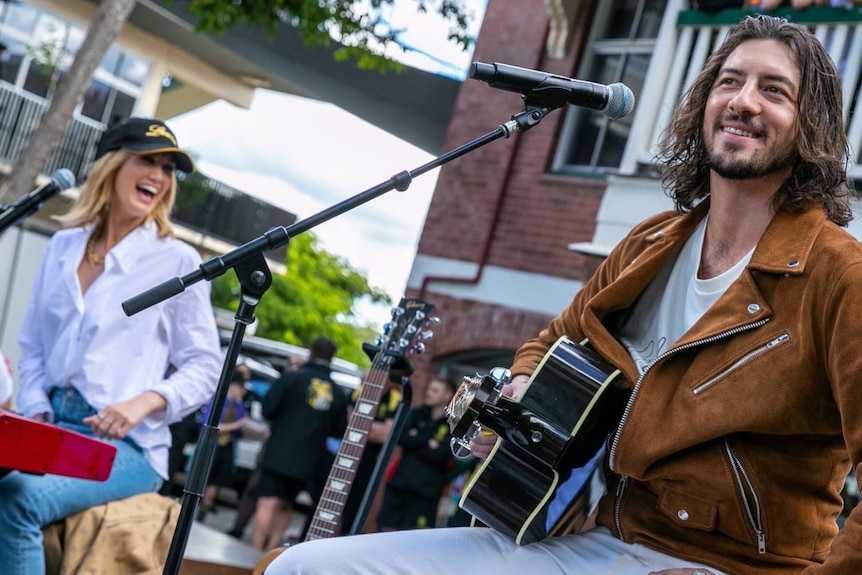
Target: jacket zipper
(624, 480)
(751, 504)
(742, 361)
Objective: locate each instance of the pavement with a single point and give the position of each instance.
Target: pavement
(222, 517)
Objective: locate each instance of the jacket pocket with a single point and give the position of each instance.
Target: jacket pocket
(750, 499)
(741, 362)
(688, 511)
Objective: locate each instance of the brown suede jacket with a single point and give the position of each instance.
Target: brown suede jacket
(732, 448)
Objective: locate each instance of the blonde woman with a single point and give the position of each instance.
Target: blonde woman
(84, 364)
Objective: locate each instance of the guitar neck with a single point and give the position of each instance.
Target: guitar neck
(327, 515)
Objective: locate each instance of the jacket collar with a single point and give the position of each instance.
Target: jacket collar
(786, 244)
(783, 249)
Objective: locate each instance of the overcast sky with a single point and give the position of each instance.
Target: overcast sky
(305, 155)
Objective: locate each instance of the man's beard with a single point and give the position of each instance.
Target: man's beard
(730, 168)
(747, 168)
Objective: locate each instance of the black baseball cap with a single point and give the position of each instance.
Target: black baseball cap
(144, 136)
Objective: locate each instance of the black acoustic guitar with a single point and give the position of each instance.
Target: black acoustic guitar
(571, 403)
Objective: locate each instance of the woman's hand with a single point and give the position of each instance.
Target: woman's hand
(114, 421)
(483, 443)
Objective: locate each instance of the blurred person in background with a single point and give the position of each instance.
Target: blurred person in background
(413, 492)
(304, 408)
(233, 417)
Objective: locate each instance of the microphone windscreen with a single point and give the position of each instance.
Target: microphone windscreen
(621, 101)
(63, 178)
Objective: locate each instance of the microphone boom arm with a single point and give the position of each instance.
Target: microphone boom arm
(278, 236)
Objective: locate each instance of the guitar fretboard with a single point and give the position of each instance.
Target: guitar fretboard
(327, 515)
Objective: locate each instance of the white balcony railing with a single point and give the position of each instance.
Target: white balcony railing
(688, 38)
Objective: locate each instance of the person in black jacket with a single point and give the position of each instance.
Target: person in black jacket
(304, 408)
(413, 493)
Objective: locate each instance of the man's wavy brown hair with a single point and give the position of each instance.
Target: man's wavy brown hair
(819, 173)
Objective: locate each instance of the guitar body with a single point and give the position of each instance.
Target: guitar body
(560, 422)
(269, 557)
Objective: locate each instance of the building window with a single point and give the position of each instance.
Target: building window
(42, 46)
(134, 69)
(10, 60)
(96, 100)
(621, 44)
(21, 17)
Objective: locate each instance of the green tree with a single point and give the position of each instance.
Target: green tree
(362, 34)
(316, 296)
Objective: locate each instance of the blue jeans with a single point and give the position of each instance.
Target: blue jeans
(29, 502)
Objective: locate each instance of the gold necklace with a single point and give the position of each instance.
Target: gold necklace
(90, 252)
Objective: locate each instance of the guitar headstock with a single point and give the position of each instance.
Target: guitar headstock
(409, 328)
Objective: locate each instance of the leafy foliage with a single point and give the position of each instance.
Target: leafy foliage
(362, 33)
(315, 297)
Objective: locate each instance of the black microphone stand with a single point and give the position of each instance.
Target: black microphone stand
(255, 278)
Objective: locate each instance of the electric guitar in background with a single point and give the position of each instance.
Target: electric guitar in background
(571, 403)
(403, 336)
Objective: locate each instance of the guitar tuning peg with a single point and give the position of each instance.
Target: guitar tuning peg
(427, 334)
(419, 348)
(435, 320)
(396, 311)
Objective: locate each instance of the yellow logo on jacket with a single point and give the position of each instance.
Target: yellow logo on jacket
(320, 394)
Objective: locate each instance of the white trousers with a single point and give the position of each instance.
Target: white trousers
(473, 550)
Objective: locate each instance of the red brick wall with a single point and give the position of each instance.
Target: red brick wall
(537, 215)
(503, 193)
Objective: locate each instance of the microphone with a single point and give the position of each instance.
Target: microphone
(615, 100)
(26, 205)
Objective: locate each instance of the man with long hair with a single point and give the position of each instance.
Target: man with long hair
(735, 321)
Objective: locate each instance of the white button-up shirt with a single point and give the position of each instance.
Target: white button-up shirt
(87, 341)
(6, 386)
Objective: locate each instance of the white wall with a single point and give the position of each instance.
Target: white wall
(20, 254)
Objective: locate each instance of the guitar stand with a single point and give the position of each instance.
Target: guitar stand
(254, 275)
(254, 279)
(382, 459)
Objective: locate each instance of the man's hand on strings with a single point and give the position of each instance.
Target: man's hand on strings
(481, 445)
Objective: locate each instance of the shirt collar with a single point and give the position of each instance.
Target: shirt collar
(126, 252)
(130, 247)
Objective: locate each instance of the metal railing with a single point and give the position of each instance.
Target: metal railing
(692, 36)
(20, 113)
(212, 207)
(204, 205)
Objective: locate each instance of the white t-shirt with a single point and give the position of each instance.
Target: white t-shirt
(673, 302)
